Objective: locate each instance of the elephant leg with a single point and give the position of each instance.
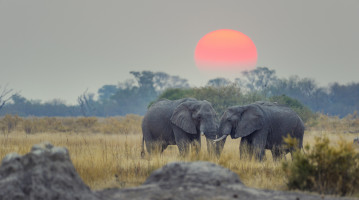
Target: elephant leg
(276, 153)
(218, 147)
(164, 146)
(196, 143)
(245, 148)
(259, 139)
(183, 146)
(196, 146)
(155, 146)
(149, 141)
(214, 148)
(210, 147)
(182, 141)
(150, 146)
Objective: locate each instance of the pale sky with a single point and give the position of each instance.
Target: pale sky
(58, 49)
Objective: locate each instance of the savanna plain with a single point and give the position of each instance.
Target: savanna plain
(106, 152)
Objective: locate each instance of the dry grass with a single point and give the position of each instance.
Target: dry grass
(104, 160)
(114, 160)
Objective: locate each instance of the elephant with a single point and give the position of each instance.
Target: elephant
(179, 122)
(262, 125)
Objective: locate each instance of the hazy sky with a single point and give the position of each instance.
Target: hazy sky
(58, 49)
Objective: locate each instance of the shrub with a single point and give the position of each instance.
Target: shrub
(130, 124)
(231, 95)
(303, 111)
(87, 122)
(111, 125)
(33, 125)
(9, 123)
(45, 124)
(220, 97)
(176, 93)
(324, 168)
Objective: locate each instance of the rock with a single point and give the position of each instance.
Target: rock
(198, 180)
(45, 173)
(194, 173)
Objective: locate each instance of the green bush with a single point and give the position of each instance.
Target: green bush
(176, 93)
(324, 168)
(303, 111)
(220, 97)
(231, 95)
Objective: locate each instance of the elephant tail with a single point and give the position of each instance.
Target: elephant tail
(143, 147)
(300, 131)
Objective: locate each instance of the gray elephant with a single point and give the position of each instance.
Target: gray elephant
(180, 123)
(262, 125)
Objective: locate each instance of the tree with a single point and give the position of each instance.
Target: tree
(133, 96)
(87, 104)
(305, 90)
(18, 99)
(219, 82)
(106, 91)
(144, 79)
(343, 99)
(5, 96)
(258, 79)
(161, 81)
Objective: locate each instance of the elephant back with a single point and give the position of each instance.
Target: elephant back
(282, 121)
(161, 111)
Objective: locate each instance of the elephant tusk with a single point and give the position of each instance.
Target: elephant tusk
(219, 139)
(202, 133)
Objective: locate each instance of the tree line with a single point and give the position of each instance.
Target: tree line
(134, 95)
(131, 96)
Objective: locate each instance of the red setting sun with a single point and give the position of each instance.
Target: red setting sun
(225, 50)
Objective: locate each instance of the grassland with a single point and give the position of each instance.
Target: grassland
(112, 158)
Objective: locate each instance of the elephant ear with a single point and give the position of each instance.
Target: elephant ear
(182, 118)
(251, 120)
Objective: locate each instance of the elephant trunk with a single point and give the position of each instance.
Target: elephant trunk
(215, 148)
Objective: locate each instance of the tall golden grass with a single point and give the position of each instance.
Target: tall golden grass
(114, 160)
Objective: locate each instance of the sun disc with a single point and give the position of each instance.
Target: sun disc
(225, 49)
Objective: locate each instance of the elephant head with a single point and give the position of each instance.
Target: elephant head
(240, 121)
(196, 117)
